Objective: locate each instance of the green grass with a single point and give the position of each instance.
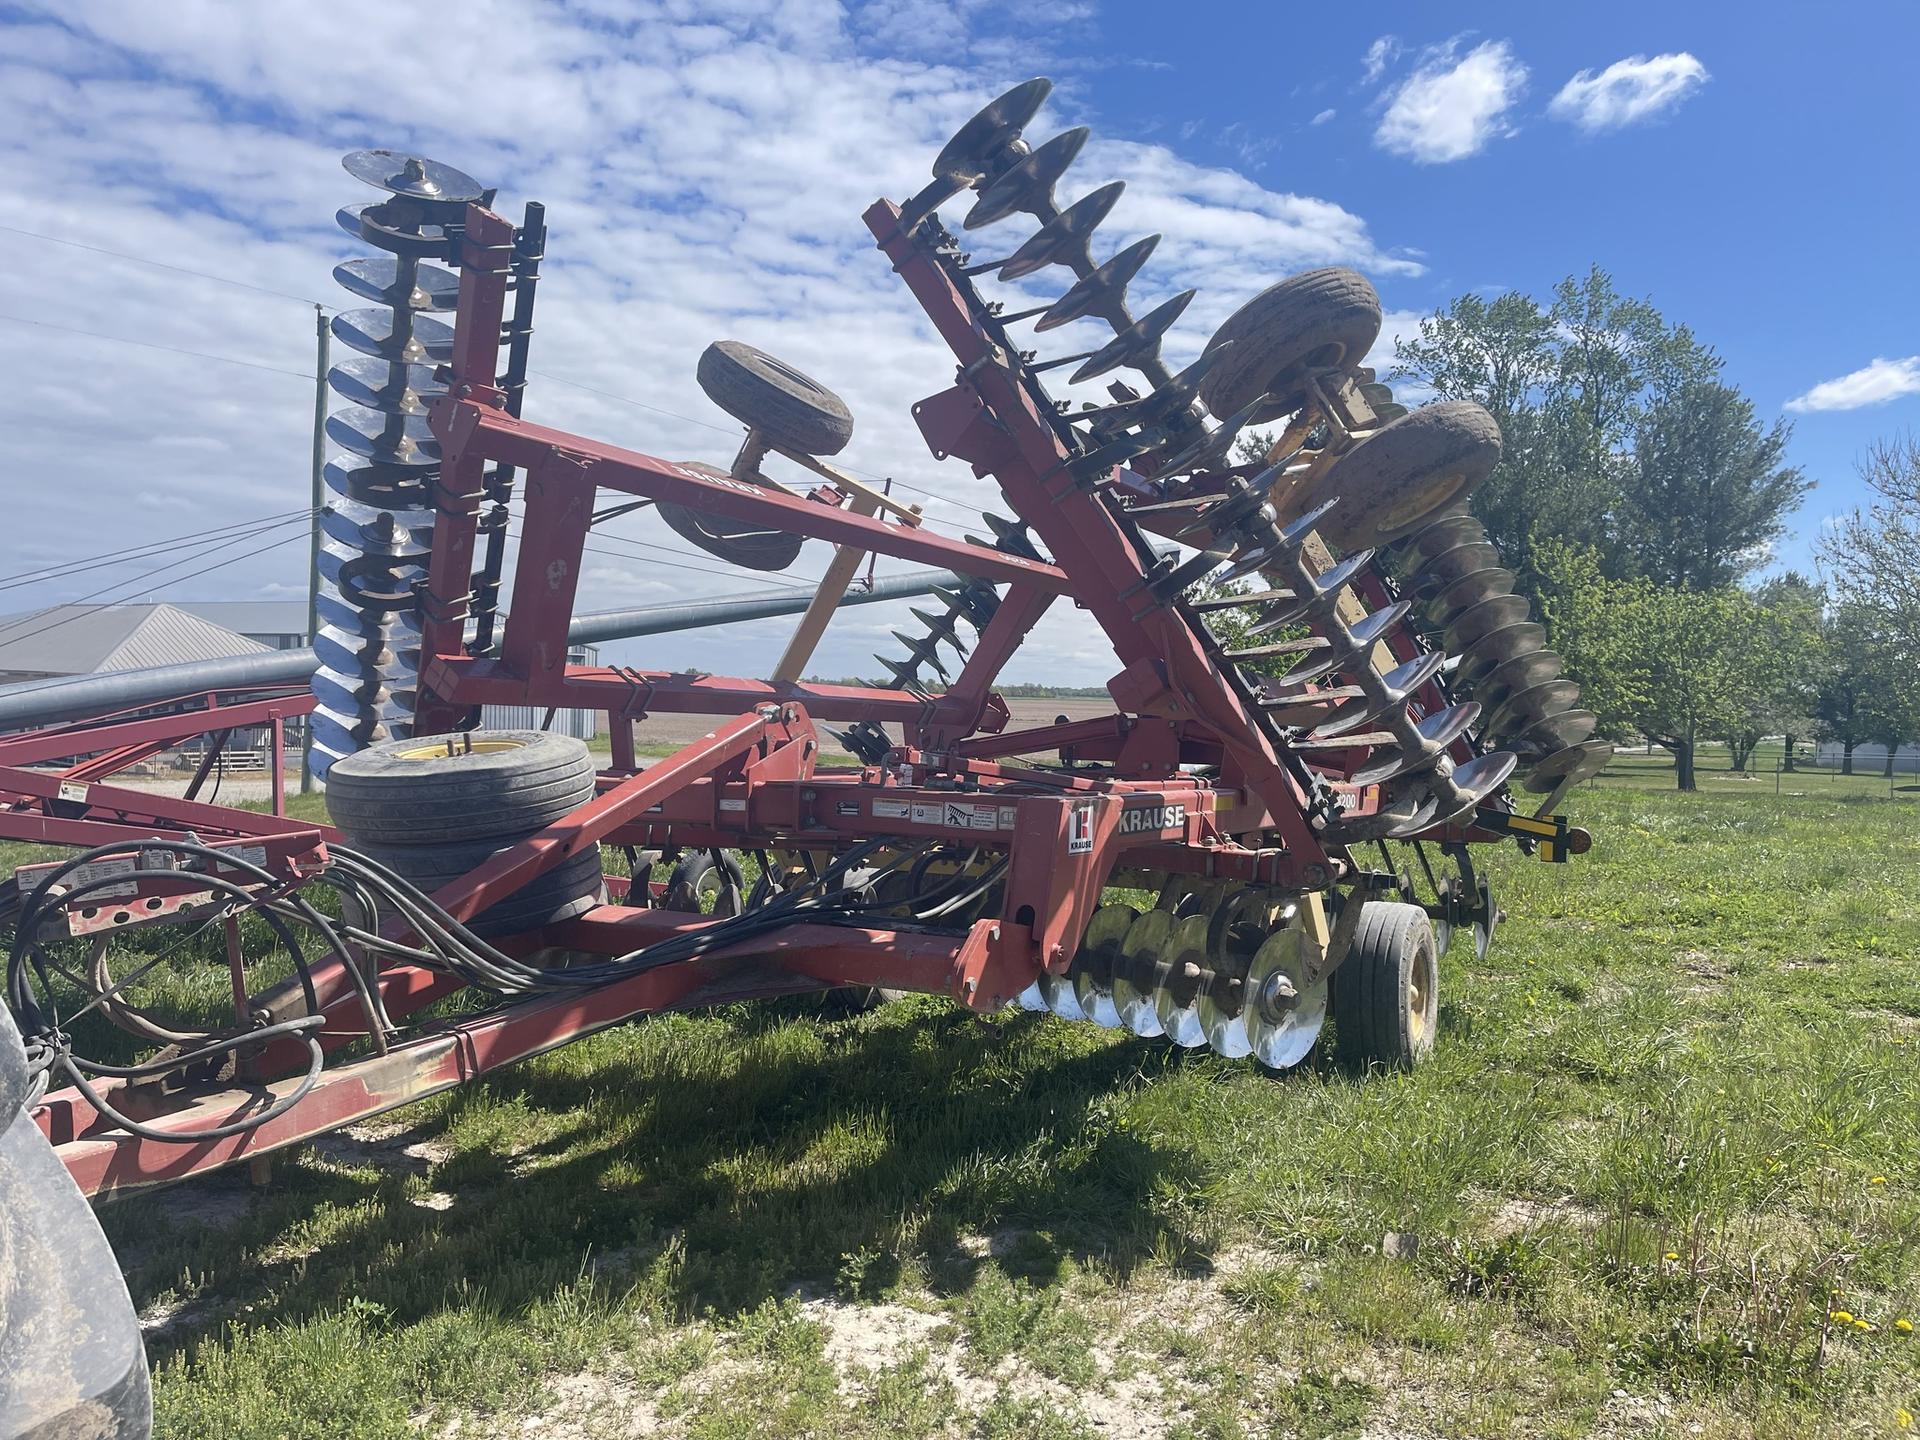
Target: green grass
(1672, 1132)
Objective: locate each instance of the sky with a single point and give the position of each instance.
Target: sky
(705, 166)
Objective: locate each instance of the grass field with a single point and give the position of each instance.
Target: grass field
(1661, 1178)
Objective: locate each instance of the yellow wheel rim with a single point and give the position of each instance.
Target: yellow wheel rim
(1420, 993)
(448, 745)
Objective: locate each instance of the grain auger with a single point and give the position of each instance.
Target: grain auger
(1265, 831)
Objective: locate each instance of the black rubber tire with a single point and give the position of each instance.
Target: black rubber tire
(794, 411)
(571, 888)
(1449, 439)
(380, 795)
(695, 874)
(734, 541)
(1316, 320)
(1376, 1018)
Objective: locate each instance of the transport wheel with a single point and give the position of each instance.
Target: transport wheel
(571, 888)
(1386, 993)
(1308, 322)
(734, 541)
(699, 886)
(1404, 473)
(462, 787)
(794, 411)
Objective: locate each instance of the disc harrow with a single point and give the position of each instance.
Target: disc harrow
(1325, 692)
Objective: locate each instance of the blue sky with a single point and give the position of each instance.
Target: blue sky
(1764, 206)
(705, 166)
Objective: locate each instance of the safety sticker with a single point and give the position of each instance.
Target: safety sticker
(738, 806)
(100, 870)
(892, 810)
(73, 790)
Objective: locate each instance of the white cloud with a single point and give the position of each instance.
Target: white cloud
(1450, 108)
(1322, 118)
(1873, 384)
(695, 165)
(1627, 91)
(1380, 54)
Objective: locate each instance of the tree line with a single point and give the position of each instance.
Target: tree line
(1638, 494)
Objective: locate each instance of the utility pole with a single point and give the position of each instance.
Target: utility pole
(321, 339)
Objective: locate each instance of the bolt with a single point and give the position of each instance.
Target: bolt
(1277, 995)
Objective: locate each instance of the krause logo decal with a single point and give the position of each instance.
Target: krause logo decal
(1153, 819)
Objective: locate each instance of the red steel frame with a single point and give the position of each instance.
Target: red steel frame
(754, 781)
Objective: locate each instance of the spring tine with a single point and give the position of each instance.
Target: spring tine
(1104, 290)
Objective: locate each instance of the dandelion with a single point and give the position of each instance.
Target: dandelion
(1878, 1180)
(1673, 1255)
(1903, 1325)
(1863, 1325)
(1840, 1317)
(1903, 1419)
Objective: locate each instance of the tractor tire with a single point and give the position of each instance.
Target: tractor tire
(1386, 994)
(1404, 474)
(794, 411)
(412, 792)
(1315, 321)
(695, 877)
(571, 888)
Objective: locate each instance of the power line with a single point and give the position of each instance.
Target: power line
(135, 552)
(159, 264)
(150, 345)
(306, 300)
(9, 634)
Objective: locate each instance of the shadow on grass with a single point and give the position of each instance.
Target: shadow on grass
(712, 1164)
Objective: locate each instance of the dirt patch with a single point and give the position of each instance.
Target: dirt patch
(1518, 1214)
(387, 1145)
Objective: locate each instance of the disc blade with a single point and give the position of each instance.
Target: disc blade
(1028, 183)
(1144, 947)
(1282, 1032)
(1064, 238)
(385, 281)
(1102, 289)
(1180, 1020)
(413, 176)
(997, 124)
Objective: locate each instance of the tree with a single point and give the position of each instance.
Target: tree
(1676, 665)
(1873, 563)
(1707, 488)
(1806, 601)
(1619, 436)
(1566, 383)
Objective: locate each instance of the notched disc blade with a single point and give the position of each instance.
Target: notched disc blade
(1097, 291)
(996, 125)
(1065, 236)
(1138, 341)
(1570, 766)
(1028, 183)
